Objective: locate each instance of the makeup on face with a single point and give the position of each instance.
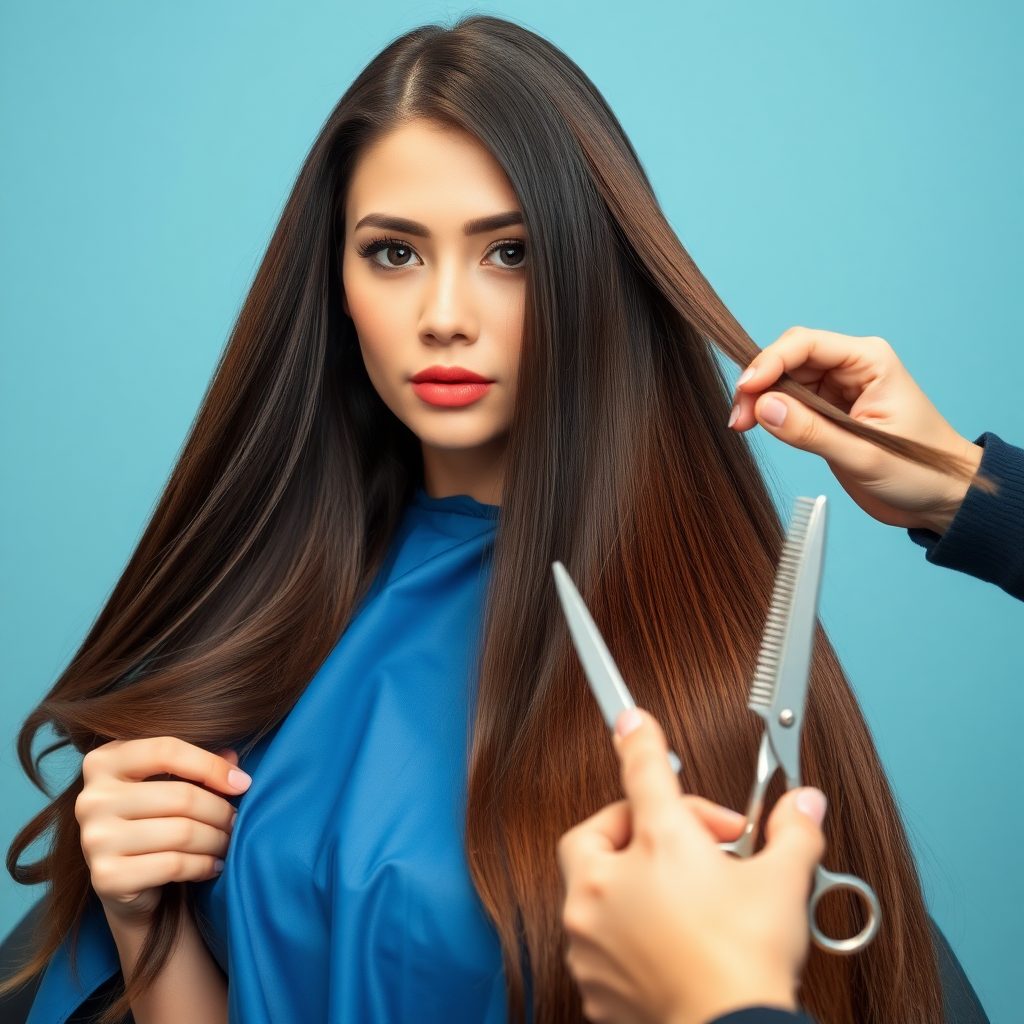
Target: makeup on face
(450, 386)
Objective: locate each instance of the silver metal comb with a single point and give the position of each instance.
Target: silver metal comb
(794, 550)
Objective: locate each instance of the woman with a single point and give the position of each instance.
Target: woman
(472, 290)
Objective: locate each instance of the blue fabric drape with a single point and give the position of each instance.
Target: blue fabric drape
(345, 897)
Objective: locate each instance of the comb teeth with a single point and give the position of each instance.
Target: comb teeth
(766, 674)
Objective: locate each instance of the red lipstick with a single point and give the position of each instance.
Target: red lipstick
(450, 386)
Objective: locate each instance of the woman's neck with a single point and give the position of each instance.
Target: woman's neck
(478, 472)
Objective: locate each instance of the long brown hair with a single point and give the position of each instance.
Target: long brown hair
(295, 475)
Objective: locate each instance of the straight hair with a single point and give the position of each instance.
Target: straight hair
(295, 475)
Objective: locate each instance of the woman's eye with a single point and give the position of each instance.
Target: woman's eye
(395, 256)
(510, 255)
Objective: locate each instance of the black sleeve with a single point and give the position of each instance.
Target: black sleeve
(762, 1015)
(986, 537)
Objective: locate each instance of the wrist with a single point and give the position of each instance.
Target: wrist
(128, 920)
(940, 515)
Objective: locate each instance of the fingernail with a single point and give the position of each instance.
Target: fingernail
(774, 412)
(813, 803)
(218, 865)
(734, 415)
(237, 779)
(628, 721)
(745, 376)
(234, 818)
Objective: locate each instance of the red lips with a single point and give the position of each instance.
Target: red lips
(450, 386)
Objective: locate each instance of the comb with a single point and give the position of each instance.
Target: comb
(780, 611)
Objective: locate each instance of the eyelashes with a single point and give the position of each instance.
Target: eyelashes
(389, 253)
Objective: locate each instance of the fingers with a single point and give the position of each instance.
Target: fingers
(605, 832)
(648, 781)
(795, 424)
(156, 800)
(122, 878)
(817, 352)
(106, 837)
(794, 835)
(722, 823)
(135, 760)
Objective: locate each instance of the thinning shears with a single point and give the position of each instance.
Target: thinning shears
(778, 694)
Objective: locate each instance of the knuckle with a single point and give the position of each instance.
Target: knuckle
(91, 835)
(164, 748)
(808, 431)
(176, 864)
(186, 833)
(103, 874)
(95, 761)
(185, 799)
(648, 837)
(86, 805)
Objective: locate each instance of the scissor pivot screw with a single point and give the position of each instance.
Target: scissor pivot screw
(786, 717)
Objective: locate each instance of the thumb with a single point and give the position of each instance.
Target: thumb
(795, 841)
(794, 423)
(649, 783)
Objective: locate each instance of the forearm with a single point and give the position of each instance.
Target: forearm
(190, 987)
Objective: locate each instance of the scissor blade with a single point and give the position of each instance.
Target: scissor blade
(598, 665)
(788, 655)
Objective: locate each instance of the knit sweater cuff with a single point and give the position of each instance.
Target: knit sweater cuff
(986, 537)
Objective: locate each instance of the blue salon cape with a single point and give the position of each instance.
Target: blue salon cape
(345, 897)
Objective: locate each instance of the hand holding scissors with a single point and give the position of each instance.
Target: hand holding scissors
(778, 694)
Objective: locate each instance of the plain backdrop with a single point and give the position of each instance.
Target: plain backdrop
(850, 165)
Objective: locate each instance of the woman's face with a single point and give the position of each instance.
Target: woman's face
(434, 281)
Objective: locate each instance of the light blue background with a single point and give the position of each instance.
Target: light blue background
(855, 165)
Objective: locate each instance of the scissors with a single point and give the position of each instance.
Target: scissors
(778, 694)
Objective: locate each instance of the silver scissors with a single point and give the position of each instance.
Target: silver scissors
(778, 694)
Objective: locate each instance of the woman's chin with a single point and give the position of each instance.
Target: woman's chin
(462, 434)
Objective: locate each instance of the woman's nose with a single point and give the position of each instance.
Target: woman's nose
(449, 311)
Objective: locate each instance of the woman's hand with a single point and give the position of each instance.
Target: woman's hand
(139, 835)
(663, 926)
(862, 377)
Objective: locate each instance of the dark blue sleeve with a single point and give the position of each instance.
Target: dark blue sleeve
(763, 1015)
(986, 537)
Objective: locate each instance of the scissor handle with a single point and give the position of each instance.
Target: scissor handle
(827, 881)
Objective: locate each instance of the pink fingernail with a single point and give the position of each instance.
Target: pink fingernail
(218, 865)
(628, 721)
(745, 376)
(813, 803)
(734, 415)
(237, 779)
(234, 818)
(774, 412)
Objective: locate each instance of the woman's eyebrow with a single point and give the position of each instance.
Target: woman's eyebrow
(498, 220)
(412, 227)
(406, 227)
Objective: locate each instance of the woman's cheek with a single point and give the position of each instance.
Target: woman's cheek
(377, 319)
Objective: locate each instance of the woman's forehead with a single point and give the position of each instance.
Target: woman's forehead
(426, 171)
